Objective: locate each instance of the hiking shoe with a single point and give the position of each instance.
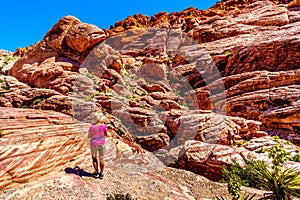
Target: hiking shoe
(101, 175)
(95, 175)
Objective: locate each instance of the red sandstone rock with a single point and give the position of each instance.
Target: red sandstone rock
(252, 46)
(295, 3)
(34, 143)
(81, 37)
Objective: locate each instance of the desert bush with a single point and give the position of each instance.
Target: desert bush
(296, 158)
(246, 175)
(120, 196)
(282, 182)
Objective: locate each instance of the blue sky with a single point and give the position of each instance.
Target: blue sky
(26, 22)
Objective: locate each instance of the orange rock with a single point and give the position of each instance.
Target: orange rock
(21, 51)
(81, 37)
(57, 33)
(295, 3)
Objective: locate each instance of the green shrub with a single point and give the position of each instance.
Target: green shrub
(143, 106)
(284, 183)
(120, 132)
(96, 93)
(5, 87)
(227, 53)
(89, 98)
(296, 158)
(103, 110)
(242, 197)
(246, 175)
(276, 138)
(279, 155)
(89, 75)
(37, 101)
(234, 186)
(120, 196)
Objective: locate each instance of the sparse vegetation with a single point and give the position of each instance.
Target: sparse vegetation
(107, 90)
(89, 97)
(242, 197)
(284, 183)
(260, 150)
(104, 111)
(5, 59)
(5, 87)
(89, 75)
(240, 143)
(37, 101)
(96, 93)
(135, 97)
(246, 175)
(120, 132)
(143, 106)
(227, 53)
(296, 158)
(24, 106)
(276, 138)
(120, 196)
(137, 65)
(279, 155)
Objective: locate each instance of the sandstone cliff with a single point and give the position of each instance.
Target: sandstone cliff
(197, 89)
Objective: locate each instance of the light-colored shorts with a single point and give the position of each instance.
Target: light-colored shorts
(97, 150)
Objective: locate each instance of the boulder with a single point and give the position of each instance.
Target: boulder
(82, 37)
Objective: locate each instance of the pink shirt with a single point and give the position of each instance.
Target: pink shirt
(96, 133)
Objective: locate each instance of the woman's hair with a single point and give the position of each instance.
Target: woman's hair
(95, 120)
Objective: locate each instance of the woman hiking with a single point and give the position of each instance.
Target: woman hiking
(97, 133)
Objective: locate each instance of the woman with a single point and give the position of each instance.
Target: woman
(97, 135)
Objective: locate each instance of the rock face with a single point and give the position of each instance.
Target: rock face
(209, 159)
(191, 87)
(263, 71)
(34, 143)
(19, 95)
(38, 146)
(52, 61)
(295, 3)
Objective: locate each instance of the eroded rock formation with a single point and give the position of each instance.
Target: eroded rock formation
(34, 143)
(191, 90)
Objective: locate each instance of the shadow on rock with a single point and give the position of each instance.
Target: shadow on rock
(76, 170)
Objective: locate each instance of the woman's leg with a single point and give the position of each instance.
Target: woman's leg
(101, 158)
(94, 158)
(95, 163)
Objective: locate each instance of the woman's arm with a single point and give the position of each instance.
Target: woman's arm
(89, 135)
